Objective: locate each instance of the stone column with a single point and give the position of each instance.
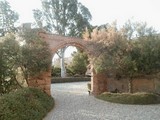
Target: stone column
(42, 81)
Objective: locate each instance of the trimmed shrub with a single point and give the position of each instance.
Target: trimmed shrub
(128, 98)
(69, 79)
(25, 104)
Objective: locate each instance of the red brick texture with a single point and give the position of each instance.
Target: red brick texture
(42, 81)
(141, 84)
(98, 83)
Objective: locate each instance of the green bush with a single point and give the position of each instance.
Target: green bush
(127, 98)
(69, 72)
(32, 58)
(56, 71)
(25, 104)
(35, 53)
(9, 53)
(79, 63)
(121, 56)
(146, 54)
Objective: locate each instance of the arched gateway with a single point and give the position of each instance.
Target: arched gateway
(55, 42)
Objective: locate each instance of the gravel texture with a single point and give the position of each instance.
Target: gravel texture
(72, 102)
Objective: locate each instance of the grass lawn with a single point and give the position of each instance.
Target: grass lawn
(128, 98)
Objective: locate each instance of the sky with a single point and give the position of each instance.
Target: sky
(103, 11)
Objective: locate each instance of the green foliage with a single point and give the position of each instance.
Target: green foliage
(65, 17)
(36, 56)
(126, 52)
(9, 55)
(69, 72)
(126, 98)
(25, 104)
(79, 63)
(146, 54)
(119, 56)
(111, 51)
(7, 18)
(56, 71)
(32, 56)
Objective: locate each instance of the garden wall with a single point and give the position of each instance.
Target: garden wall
(141, 84)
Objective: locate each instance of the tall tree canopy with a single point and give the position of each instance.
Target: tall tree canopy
(7, 18)
(63, 17)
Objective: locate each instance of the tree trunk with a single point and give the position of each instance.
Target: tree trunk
(63, 69)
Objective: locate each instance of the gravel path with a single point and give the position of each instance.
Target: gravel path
(72, 102)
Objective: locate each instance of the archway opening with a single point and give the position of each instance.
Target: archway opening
(57, 59)
(76, 61)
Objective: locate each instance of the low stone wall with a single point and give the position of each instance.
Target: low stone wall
(142, 84)
(113, 84)
(101, 83)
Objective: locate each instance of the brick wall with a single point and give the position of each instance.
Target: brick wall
(42, 81)
(138, 84)
(101, 83)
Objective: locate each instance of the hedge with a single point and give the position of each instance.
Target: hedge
(69, 79)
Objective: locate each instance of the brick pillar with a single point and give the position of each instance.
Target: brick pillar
(99, 83)
(42, 81)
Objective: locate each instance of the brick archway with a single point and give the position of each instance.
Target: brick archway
(55, 42)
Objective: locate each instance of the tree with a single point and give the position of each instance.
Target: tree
(63, 17)
(7, 18)
(126, 52)
(9, 52)
(35, 55)
(133, 30)
(31, 57)
(79, 63)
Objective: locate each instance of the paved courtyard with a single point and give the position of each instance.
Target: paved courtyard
(72, 102)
